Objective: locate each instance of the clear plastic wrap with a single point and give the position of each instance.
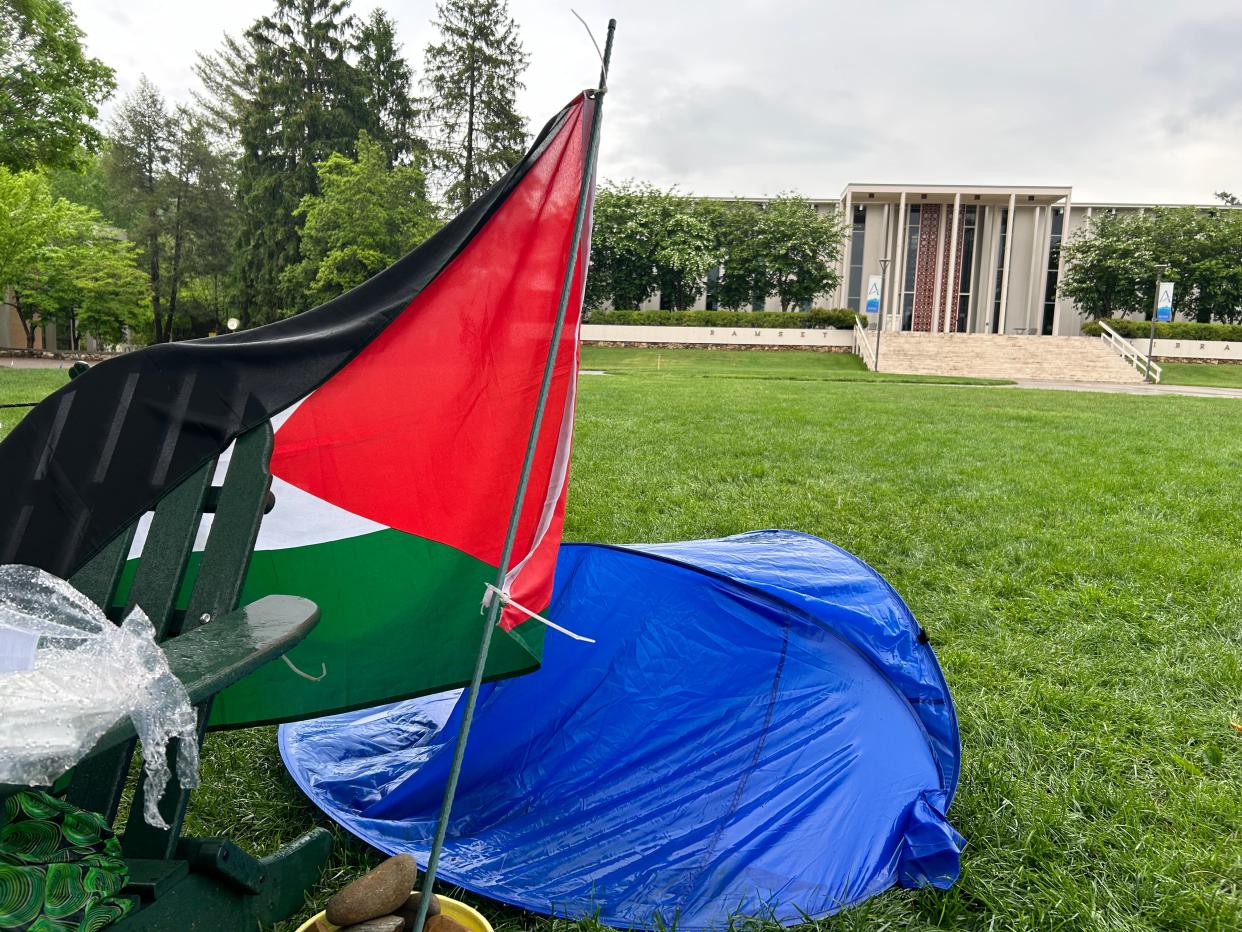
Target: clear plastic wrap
(88, 674)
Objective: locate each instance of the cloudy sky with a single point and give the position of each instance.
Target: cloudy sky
(1126, 100)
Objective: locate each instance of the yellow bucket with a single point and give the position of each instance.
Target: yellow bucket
(468, 916)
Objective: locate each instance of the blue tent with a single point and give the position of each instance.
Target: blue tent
(761, 729)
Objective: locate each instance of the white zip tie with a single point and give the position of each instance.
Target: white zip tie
(323, 670)
(506, 599)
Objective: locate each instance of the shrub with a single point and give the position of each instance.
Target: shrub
(1176, 330)
(814, 319)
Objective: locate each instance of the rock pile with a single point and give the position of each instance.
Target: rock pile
(380, 901)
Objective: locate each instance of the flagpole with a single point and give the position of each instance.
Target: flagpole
(494, 603)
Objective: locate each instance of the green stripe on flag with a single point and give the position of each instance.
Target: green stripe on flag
(399, 618)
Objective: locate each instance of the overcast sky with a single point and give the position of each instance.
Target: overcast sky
(1126, 101)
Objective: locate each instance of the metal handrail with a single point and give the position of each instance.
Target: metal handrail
(1139, 361)
(860, 340)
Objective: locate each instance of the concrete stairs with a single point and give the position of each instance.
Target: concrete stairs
(987, 356)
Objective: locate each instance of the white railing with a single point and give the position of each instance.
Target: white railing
(1144, 364)
(862, 346)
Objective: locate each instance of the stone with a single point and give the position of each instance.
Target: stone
(380, 924)
(443, 923)
(409, 910)
(378, 892)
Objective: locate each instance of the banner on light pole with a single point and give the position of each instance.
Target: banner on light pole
(873, 294)
(1164, 302)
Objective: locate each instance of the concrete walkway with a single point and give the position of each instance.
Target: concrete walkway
(1195, 391)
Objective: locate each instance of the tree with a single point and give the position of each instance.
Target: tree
(368, 215)
(784, 248)
(1103, 267)
(138, 157)
(387, 90)
(1113, 263)
(61, 263)
(88, 282)
(50, 90)
(303, 105)
(745, 277)
(170, 186)
(645, 240)
(227, 95)
(800, 247)
(472, 76)
(33, 220)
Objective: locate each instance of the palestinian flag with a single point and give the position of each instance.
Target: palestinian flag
(402, 411)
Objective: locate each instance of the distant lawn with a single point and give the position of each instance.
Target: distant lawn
(1089, 620)
(20, 385)
(752, 364)
(1222, 375)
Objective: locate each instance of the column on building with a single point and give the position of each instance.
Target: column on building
(1058, 301)
(897, 268)
(847, 219)
(983, 299)
(952, 285)
(1045, 258)
(1032, 283)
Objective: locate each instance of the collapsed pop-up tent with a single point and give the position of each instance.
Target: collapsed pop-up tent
(761, 728)
(401, 411)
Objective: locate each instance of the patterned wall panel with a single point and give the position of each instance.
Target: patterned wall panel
(925, 271)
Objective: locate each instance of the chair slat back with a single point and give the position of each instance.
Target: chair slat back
(98, 783)
(217, 588)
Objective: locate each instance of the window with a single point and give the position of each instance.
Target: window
(857, 235)
(712, 300)
(1050, 282)
(969, 226)
(912, 263)
(1000, 269)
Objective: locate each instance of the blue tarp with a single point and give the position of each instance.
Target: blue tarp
(761, 729)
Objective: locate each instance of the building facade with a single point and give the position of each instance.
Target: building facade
(977, 259)
(962, 258)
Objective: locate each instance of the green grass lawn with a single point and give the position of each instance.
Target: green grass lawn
(752, 364)
(1198, 373)
(1075, 558)
(21, 385)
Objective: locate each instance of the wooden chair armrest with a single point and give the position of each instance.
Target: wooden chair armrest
(221, 651)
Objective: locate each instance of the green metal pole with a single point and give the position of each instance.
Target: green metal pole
(494, 606)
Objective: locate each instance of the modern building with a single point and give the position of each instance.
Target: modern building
(963, 258)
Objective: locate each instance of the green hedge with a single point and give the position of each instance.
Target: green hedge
(1177, 330)
(814, 319)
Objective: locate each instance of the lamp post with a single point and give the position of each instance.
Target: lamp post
(1155, 305)
(879, 331)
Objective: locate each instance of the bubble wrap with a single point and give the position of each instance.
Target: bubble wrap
(88, 675)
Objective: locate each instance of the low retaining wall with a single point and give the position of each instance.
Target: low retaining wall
(1190, 350)
(833, 341)
(10, 352)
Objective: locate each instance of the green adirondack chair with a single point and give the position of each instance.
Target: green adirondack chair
(199, 883)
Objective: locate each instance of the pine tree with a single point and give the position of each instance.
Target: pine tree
(227, 95)
(304, 105)
(472, 76)
(387, 90)
(199, 207)
(136, 163)
(170, 187)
